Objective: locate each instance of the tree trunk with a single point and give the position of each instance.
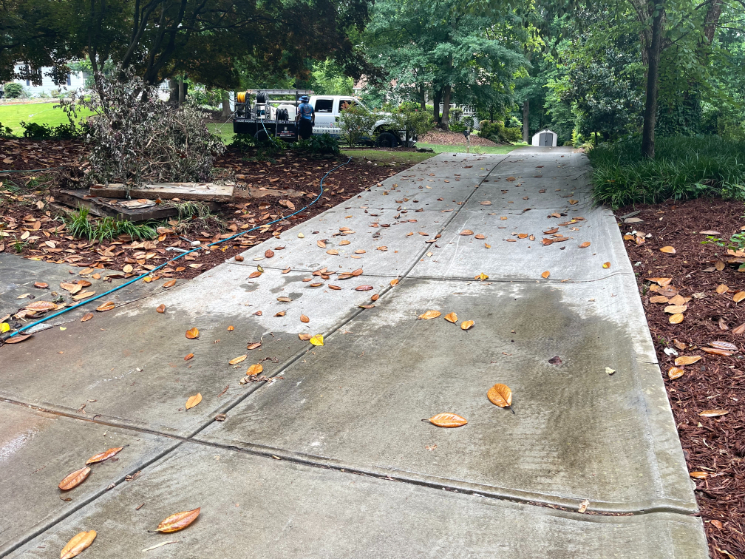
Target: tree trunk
(225, 104)
(712, 19)
(653, 76)
(526, 125)
(445, 120)
(181, 90)
(173, 87)
(423, 97)
(437, 98)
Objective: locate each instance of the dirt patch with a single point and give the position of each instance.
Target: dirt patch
(267, 190)
(442, 138)
(713, 446)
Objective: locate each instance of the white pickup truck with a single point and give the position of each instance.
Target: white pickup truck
(278, 119)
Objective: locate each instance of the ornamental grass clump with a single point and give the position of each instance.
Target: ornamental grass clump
(135, 137)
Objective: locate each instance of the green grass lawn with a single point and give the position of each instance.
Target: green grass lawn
(384, 156)
(462, 149)
(39, 113)
(225, 131)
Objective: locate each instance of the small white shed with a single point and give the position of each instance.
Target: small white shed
(545, 138)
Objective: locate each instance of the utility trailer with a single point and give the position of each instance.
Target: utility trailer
(263, 119)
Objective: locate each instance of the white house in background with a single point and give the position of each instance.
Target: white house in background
(75, 80)
(545, 138)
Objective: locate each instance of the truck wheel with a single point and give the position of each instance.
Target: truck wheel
(261, 136)
(387, 140)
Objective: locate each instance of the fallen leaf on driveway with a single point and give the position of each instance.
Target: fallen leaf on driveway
(237, 360)
(606, 265)
(447, 420)
(304, 337)
(253, 345)
(87, 316)
(77, 544)
(105, 455)
(467, 325)
(107, 306)
(193, 401)
(500, 395)
(169, 283)
(178, 521)
(481, 277)
(317, 339)
(452, 317)
(555, 360)
(583, 505)
(41, 285)
(189, 357)
(545, 274)
(429, 315)
(74, 479)
(255, 369)
(193, 333)
(585, 244)
(304, 318)
(466, 232)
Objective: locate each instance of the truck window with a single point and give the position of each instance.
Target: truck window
(324, 105)
(345, 103)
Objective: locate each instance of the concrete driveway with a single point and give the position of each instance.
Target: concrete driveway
(325, 454)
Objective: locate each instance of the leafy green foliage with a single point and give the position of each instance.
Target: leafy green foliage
(60, 132)
(410, 118)
(498, 132)
(684, 167)
(736, 241)
(13, 90)
(5, 131)
(242, 142)
(356, 124)
(80, 225)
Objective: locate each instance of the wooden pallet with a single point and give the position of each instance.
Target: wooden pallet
(199, 191)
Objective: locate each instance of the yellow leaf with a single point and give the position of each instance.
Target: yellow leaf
(467, 325)
(317, 339)
(500, 395)
(192, 333)
(676, 318)
(4, 327)
(675, 372)
(255, 369)
(606, 265)
(77, 544)
(178, 521)
(481, 277)
(447, 420)
(193, 401)
(687, 359)
(452, 317)
(722, 288)
(107, 306)
(237, 360)
(545, 274)
(668, 250)
(739, 296)
(429, 315)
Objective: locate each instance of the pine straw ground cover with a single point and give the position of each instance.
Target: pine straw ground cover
(714, 447)
(29, 224)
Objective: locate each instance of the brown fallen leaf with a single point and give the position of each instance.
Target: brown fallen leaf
(480, 237)
(321, 244)
(585, 244)
(661, 281)
(74, 479)
(719, 265)
(86, 317)
(717, 351)
(18, 339)
(668, 250)
(127, 269)
(675, 309)
(192, 333)
(255, 369)
(189, 357)
(253, 345)
(713, 413)
(334, 287)
(284, 299)
(79, 543)
(659, 299)
(42, 306)
(606, 265)
(254, 275)
(394, 282)
(447, 420)
(467, 324)
(429, 315)
(107, 306)
(675, 372)
(105, 455)
(724, 345)
(161, 308)
(286, 270)
(237, 360)
(193, 401)
(687, 360)
(545, 274)
(721, 288)
(699, 475)
(739, 296)
(364, 288)
(332, 252)
(73, 288)
(304, 337)
(304, 318)
(466, 232)
(169, 283)
(178, 521)
(676, 318)
(41, 285)
(555, 360)
(500, 395)
(238, 258)
(451, 317)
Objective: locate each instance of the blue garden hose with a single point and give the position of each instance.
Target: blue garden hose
(7, 336)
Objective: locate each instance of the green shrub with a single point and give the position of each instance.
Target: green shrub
(684, 167)
(323, 144)
(13, 90)
(412, 119)
(5, 131)
(242, 142)
(81, 226)
(355, 122)
(457, 127)
(497, 132)
(512, 135)
(46, 132)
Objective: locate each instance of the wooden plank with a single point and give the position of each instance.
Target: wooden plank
(201, 191)
(103, 207)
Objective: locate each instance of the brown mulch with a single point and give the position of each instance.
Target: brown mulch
(290, 181)
(443, 138)
(713, 446)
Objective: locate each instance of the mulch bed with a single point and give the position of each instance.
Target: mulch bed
(444, 138)
(288, 182)
(713, 446)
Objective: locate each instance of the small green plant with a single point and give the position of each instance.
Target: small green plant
(106, 228)
(78, 224)
(5, 131)
(18, 245)
(242, 142)
(736, 241)
(191, 210)
(324, 144)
